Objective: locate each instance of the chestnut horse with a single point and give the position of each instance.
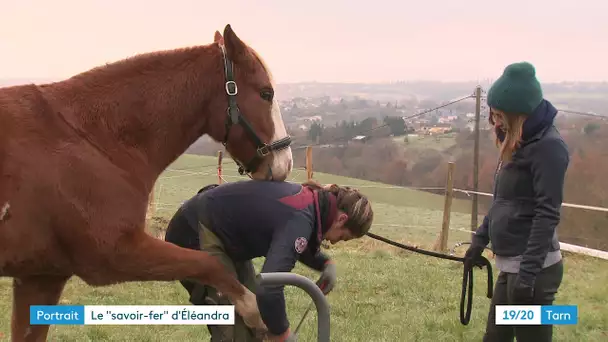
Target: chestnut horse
(79, 158)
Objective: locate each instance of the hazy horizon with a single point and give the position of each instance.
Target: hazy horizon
(318, 41)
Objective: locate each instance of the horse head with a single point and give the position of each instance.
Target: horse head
(247, 119)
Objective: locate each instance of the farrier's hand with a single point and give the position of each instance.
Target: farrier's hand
(328, 278)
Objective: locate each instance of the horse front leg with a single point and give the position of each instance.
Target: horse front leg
(33, 290)
(142, 257)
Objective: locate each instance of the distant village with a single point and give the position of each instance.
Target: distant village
(301, 113)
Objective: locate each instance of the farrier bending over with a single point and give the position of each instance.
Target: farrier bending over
(284, 222)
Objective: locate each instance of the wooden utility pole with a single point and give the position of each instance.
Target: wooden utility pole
(474, 209)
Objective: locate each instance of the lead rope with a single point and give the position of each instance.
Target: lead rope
(467, 275)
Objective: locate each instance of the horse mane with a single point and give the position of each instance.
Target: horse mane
(152, 62)
(141, 64)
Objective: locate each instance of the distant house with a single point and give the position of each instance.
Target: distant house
(434, 130)
(447, 119)
(316, 118)
(361, 138)
(439, 130)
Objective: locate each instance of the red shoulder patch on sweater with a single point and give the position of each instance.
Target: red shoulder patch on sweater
(300, 200)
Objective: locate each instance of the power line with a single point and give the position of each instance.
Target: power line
(603, 117)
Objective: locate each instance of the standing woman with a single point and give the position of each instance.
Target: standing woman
(528, 190)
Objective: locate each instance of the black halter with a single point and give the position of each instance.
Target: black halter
(235, 117)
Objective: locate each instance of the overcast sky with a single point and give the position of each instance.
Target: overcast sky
(312, 40)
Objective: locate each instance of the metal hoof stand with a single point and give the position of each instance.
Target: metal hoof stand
(286, 278)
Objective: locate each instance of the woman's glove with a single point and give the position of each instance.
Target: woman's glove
(328, 278)
(472, 255)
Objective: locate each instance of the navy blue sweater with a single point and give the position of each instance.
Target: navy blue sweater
(277, 220)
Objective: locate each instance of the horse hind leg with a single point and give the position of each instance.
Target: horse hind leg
(145, 258)
(33, 290)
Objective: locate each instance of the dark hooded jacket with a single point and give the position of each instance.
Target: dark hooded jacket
(528, 193)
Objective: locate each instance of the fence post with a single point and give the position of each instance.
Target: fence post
(309, 162)
(220, 156)
(442, 240)
(474, 203)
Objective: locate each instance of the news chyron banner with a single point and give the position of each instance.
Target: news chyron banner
(536, 314)
(132, 314)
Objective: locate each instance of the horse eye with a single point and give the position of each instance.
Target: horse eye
(267, 94)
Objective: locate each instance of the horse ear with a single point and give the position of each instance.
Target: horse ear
(218, 38)
(235, 48)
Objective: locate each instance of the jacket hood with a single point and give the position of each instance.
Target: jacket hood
(542, 117)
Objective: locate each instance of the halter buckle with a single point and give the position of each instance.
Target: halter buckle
(263, 151)
(228, 89)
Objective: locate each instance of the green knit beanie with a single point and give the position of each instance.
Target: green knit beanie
(517, 90)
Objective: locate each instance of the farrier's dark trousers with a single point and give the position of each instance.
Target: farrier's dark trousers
(180, 233)
(546, 286)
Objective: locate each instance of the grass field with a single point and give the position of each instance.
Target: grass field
(383, 294)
